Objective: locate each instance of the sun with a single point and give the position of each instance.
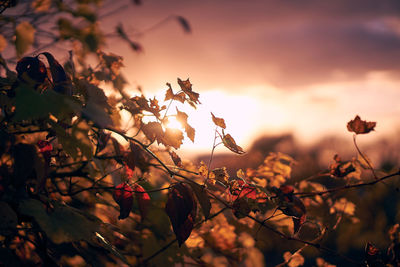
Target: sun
(173, 123)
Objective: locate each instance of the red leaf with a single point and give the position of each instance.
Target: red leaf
(143, 200)
(292, 206)
(123, 195)
(44, 146)
(181, 209)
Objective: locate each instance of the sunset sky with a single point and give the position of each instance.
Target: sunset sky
(270, 67)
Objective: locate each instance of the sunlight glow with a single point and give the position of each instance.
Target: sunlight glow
(173, 123)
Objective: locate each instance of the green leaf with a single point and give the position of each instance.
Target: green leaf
(32, 105)
(62, 224)
(24, 37)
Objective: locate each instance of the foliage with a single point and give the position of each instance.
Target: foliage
(77, 189)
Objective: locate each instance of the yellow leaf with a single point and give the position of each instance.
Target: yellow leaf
(293, 260)
(24, 37)
(230, 143)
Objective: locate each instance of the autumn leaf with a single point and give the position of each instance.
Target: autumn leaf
(153, 131)
(181, 209)
(230, 143)
(143, 200)
(170, 95)
(293, 260)
(136, 157)
(186, 87)
(123, 195)
(172, 137)
(31, 70)
(359, 126)
(176, 159)
(292, 206)
(218, 121)
(202, 197)
(102, 140)
(182, 118)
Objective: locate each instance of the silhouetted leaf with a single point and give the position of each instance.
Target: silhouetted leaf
(359, 126)
(182, 118)
(184, 23)
(31, 70)
(218, 121)
(181, 208)
(123, 195)
(153, 131)
(292, 206)
(134, 45)
(186, 87)
(136, 157)
(202, 197)
(62, 224)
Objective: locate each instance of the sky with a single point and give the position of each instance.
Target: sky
(271, 67)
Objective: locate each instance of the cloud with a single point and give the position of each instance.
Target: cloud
(289, 44)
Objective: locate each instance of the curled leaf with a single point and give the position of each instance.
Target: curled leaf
(31, 69)
(123, 195)
(359, 126)
(230, 144)
(181, 209)
(143, 200)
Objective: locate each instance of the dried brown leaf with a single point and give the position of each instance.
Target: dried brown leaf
(359, 126)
